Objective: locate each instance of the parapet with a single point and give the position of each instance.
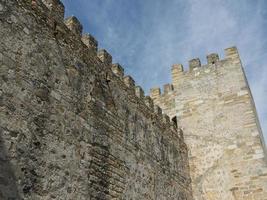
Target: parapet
(148, 101)
(139, 92)
(104, 56)
(231, 53)
(168, 88)
(194, 63)
(176, 71)
(90, 42)
(73, 29)
(212, 58)
(129, 82)
(74, 25)
(155, 93)
(177, 68)
(118, 70)
(163, 119)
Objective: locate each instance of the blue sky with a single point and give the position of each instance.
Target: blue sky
(147, 36)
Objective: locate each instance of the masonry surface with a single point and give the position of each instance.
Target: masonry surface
(73, 126)
(213, 105)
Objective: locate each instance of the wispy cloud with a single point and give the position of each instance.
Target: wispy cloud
(147, 36)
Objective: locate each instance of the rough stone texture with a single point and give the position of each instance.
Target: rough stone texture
(69, 127)
(214, 106)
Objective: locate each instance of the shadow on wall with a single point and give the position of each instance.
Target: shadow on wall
(8, 186)
(175, 122)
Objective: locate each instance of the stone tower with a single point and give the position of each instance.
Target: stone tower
(214, 106)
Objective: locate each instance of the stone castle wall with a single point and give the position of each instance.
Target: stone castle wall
(72, 126)
(214, 107)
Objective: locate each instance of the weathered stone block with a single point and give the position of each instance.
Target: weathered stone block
(129, 81)
(139, 92)
(168, 88)
(212, 58)
(74, 25)
(155, 92)
(118, 70)
(194, 63)
(105, 57)
(90, 42)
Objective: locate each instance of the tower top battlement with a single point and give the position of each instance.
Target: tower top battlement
(195, 69)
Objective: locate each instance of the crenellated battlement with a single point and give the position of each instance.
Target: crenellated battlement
(73, 24)
(118, 70)
(194, 63)
(212, 58)
(76, 30)
(168, 88)
(146, 100)
(231, 52)
(129, 81)
(139, 92)
(194, 68)
(90, 42)
(176, 71)
(105, 57)
(155, 92)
